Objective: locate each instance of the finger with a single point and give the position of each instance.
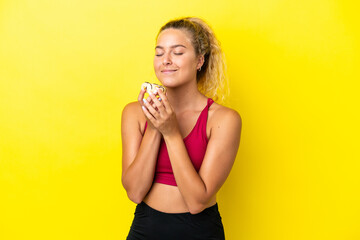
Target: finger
(141, 96)
(151, 109)
(164, 99)
(149, 99)
(151, 102)
(148, 114)
(156, 101)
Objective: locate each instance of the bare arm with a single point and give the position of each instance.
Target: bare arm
(197, 188)
(139, 153)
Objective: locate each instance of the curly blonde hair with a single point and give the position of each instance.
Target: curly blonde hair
(211, 79)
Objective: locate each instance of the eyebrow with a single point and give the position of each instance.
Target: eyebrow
(173, 46)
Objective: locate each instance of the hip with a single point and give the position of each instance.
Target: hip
(150, 224)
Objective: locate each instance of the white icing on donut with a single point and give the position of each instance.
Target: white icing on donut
(152, 87)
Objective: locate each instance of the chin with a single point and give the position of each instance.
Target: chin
(166, 81)
(167, 84)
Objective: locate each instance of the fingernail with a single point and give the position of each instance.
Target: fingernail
(143, 107)
(144, 100)
(159, 99)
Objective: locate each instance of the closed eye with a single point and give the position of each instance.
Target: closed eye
(175, 53)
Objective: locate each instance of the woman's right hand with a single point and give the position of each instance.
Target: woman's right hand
(139, 151)
(150, 101)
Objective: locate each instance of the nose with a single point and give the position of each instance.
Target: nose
(166, 59)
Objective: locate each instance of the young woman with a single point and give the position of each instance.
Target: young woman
(179, 146)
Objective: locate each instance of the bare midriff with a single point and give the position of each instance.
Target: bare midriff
(167, 198)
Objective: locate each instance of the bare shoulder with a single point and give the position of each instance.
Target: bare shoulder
(223, 119)
(219, 114)
(132, 114)
(132, 108)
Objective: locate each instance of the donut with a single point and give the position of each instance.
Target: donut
(151, 87)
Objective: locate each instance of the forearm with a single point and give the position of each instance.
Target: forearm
(138, 177)
(188, 180)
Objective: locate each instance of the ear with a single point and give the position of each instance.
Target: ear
(201, 60)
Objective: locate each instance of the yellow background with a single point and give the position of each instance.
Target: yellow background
(67, 69)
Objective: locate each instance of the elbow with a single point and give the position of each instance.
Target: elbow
(135, 197)
(197, 205)
(196, 208)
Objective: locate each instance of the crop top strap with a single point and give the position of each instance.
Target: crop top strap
(209, 102)
(145, 127)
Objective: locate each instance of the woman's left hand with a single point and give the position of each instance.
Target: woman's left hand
(161, 114)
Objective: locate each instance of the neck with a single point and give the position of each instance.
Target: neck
(185, 97)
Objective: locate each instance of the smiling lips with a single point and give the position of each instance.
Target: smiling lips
(168, 70)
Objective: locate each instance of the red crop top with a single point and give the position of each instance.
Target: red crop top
(195, 143)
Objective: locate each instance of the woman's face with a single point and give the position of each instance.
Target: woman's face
(175, 61)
